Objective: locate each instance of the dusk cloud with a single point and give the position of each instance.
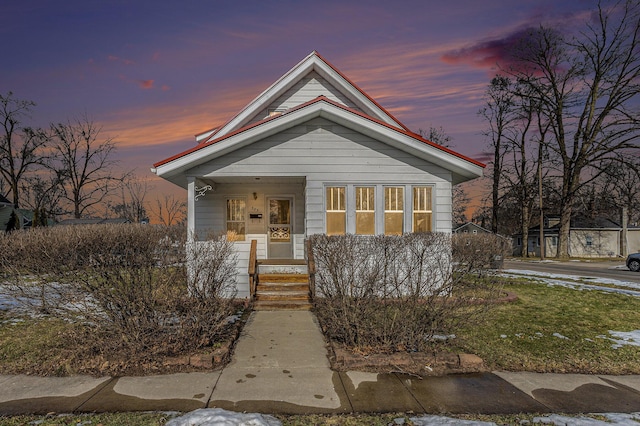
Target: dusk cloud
(490, 54)
(145, 84)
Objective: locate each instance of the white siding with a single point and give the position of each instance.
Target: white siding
(307, 89)
(326, 153)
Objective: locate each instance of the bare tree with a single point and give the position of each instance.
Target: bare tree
(21, 148)
(43, 193)
(499, 114)
(459, 202)
(132, 204)
(170, 210)
(586, 86)
(85, 160)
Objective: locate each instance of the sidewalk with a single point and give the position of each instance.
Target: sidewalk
(280, 366)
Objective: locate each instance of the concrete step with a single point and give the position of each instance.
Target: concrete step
(282, 295)
(282, 269)
(281, 306)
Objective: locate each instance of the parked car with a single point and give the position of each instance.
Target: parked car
(633, 262)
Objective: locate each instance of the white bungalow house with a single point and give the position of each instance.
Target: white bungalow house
(314, 154)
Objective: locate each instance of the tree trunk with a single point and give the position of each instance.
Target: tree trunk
(14, 191)
(525, 230)
(496, 188)
(563, 231)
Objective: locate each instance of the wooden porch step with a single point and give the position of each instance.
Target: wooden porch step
(283, 278)
(282, 295)
(283, 286)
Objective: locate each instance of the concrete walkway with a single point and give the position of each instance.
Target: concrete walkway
(280, 366)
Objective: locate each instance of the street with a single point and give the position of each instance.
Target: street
(580, 268)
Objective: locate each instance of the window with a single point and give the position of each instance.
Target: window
(336, 211)
(554, 241)
(589, 240)
(519, 241)
(365, 210)
(393, 210)
(422, 209)
(236, 218)
(370, 209)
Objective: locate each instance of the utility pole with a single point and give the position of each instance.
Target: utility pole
(542, 244)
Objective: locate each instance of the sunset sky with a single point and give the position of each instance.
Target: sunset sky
(154, 73)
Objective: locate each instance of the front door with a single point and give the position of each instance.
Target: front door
(280, 245)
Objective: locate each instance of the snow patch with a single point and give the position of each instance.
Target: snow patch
(613, 419)
(560, 336)
(631, 338)
(561, 280)
(551, 419)
(441, 420)
(220, 417)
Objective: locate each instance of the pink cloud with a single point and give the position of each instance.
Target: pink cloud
(492, 53)
(145, 84)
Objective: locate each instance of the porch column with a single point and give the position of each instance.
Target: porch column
(191, 206)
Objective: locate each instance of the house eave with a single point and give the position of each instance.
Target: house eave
(462, 168)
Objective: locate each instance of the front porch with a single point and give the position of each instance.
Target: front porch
(267, 210)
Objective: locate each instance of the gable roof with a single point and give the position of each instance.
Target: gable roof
(471, 225)
(313, 62)
(348, 106)
(462, 168)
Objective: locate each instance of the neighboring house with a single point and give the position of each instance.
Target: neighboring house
(314, 154)
(471, 228)
(6, 207)
(599, 237)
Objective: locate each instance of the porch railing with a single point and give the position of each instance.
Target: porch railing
(311, 266)
(253, 268)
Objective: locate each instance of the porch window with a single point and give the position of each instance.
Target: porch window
(336, 211)
(365, 210)
(422, 210)
(236, 218)
(393, 210)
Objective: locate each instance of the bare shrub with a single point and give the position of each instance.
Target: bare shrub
(391, 293)
(129, 283)
(479, 252)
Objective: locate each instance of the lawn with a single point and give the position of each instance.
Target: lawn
(555, 329)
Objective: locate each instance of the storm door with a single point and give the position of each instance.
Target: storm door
(280, 242)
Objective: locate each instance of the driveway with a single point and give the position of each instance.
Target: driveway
(615, 270)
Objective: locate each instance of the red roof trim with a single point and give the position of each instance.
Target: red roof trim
(313, 101)
(235, 132)
(361, 91)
